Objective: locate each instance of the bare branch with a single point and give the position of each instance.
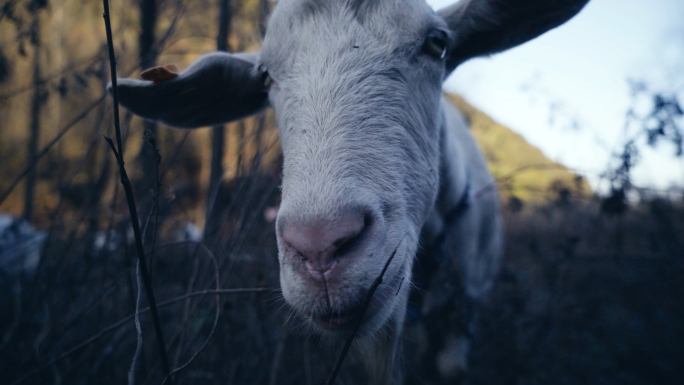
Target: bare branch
(46, 79)
(364, 307)
(47, 147)
(124, 320)
(17, 317)
(218, 311)
(138, 329)
(130, 199)
(273, 379)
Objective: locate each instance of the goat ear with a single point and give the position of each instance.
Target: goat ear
(483, 27)
(217, 88)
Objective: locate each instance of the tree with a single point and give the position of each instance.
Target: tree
(218, 133)
(148, 57)
(39, 95)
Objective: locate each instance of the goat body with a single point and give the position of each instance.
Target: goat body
(373, 155)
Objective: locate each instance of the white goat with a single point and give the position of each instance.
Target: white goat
(373, 153)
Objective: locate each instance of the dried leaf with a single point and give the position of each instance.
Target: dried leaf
(161, 74)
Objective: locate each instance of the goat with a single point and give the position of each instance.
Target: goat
(373, 154)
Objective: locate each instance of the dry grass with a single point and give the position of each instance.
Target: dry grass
(582, 298)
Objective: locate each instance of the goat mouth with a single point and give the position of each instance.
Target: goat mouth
(339, 320)
(345, 319)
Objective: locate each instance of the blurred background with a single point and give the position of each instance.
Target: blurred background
(582, 129)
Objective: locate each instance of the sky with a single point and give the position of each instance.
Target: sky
(567, 92)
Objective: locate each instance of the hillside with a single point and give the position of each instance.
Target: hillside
(521, 169)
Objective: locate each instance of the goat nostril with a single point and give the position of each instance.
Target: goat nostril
(340, 242)
(346, 245)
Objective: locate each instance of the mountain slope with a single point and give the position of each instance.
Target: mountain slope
(521, 169)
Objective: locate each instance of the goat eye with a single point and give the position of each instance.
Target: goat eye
(266, 78)
(435, 44)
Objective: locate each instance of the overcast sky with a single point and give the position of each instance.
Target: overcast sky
(567, 93)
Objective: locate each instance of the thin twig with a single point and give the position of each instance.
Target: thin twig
(216, 318)
(153, 142)
(159, 46)
(108, 238)
(176, 150)
(46, 79)
(123, 321)
(207, 292)
(130, 199)
(54, 214)
(8, 8)
(307, 362)
(180, 10)
(47, 147)
(138, 329)
(17, 316)
(186, 307)
(359, 319)
(273, 379)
